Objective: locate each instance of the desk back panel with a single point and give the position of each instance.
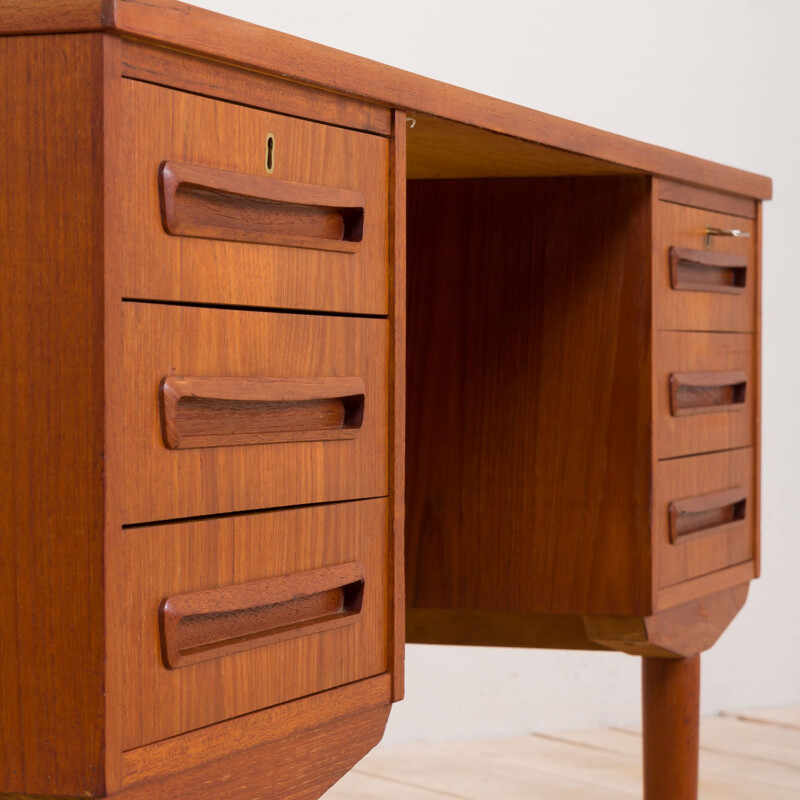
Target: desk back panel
(528, 437)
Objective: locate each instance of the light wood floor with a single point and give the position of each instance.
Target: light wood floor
(744, 756)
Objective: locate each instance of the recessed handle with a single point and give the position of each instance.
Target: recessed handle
(200, 626)
(703, 271)
(706, 392)
(709, 513)
(219, 204)
(219, 412)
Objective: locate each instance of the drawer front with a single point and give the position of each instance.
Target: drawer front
(704, 391)
(239, 410)
(703, 514)
(251, 610)
(310, 234)
(698, 287)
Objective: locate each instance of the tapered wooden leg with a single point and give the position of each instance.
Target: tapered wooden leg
(671, 723)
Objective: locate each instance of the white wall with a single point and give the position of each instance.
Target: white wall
(714, 78)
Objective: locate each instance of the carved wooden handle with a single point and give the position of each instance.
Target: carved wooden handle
(200, 626)
(704, 271)
(220, 204)
(218, 412)
(710, 513)
(706, 392)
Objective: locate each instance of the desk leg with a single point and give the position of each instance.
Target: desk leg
(671, 727)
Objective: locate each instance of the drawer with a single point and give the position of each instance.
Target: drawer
(228, 410)
(700, 288)
(704, 390)
(250, 610)
(312, 234)
(703, 514)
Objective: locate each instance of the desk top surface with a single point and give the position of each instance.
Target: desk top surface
(451, 120)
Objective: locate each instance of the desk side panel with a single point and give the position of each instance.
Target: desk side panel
(528, 433)
(51, 423)
(397, 389)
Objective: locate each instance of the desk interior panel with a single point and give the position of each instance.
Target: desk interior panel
(528, 446)
(443, 148)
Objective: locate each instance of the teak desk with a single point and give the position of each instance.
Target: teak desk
(250, 306)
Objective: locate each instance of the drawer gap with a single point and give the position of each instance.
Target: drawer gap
(248, 512)
(310, 312)
(706, 453)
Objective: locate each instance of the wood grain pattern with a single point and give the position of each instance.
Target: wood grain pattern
(217, 412)
(212, 623)
(544, 281)
(76, 734)
(498, 629)
(706, 392)
(187, 28)
(671, 727)
(54, 16)
(52, 683)
(165, 125)
(706, 514)
(698, 355)
(397, 395)
(300, 767)
(160, 340)
(683, 227)
(116, 487)
(214, 79)
(695, 197)
(683, 478)
(704, 585)
(528, 378)
(167, 560)
(224, 739)
(705, 271)
(683, 630)
(444, 148)
(220, 204)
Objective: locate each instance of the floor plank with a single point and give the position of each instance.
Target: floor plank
(772, 743)
(358, 786)
(741, 759)
(620, 773)
(785, 717)
(522, 764)
(762, 779)
(460, 769)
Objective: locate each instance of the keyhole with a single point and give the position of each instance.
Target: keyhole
(270, 152)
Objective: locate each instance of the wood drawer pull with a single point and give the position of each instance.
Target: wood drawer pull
(220, 204)
(709, 513)
(706, 392)
(200, 626)
(703, 271)
(220, 412)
